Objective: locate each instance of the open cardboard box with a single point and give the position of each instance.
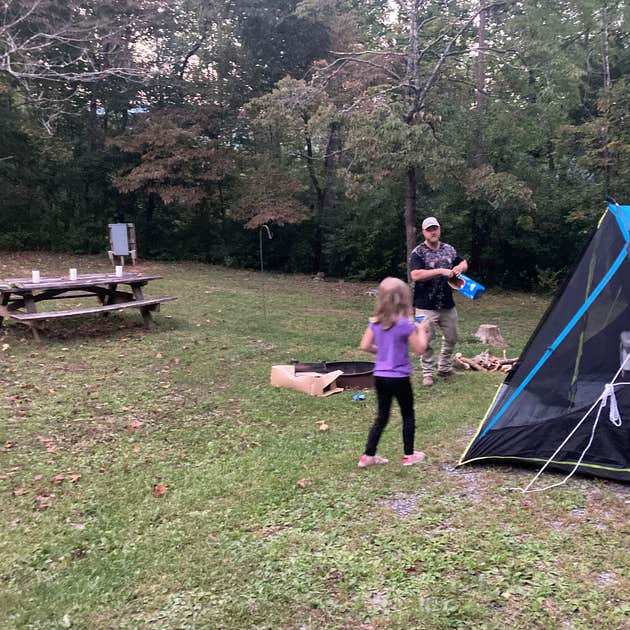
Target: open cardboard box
(308, 382)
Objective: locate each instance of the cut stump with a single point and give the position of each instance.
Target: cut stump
(490, 335)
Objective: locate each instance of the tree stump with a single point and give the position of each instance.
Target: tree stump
(490, 335)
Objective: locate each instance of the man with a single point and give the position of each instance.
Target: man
(431, 265)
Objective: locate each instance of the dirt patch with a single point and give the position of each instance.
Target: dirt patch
(272, 531)
(404, 505)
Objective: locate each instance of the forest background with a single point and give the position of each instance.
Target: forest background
(340, 124)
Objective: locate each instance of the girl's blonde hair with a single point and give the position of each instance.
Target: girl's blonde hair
(392, 303)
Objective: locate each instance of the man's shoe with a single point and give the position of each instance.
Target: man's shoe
(449, 373)
(427, 380)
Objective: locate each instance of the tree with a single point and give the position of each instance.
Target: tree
(398, 83)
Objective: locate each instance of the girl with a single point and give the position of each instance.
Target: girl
(389, 335)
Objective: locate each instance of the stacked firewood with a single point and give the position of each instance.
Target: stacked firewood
(484, 362)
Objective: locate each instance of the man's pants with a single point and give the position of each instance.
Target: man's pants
(447, 321)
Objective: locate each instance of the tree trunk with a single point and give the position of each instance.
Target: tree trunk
(607, 83)
(92, 125)
(410, 211)
(330, 168)
(478, 149)
(480, 84)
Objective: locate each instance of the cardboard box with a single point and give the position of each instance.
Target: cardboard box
(308, 382)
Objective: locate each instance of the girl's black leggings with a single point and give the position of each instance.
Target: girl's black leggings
(386, 389)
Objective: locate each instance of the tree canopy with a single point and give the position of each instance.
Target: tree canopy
(343, 123)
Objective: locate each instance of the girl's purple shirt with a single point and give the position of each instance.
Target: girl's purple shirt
(392, 349)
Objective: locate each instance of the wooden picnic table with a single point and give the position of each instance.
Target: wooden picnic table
(20, 297)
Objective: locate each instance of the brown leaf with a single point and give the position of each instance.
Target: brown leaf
(158, 355)
(58, 478)
(134, 424)
(45, 440)
(43, 503)
(18, 491)
(72, 477)
(159, 490)
(323, 426)
(302, 483)
(9, 444)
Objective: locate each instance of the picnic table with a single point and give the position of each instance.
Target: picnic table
(20, 297)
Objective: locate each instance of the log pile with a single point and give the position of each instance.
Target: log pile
(484, 362)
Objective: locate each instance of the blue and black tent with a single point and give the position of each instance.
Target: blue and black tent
(567, 401)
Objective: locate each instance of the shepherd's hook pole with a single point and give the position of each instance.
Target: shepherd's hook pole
(262, 276)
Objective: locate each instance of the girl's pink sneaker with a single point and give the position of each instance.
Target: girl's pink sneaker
(370, 460)
(410, 460)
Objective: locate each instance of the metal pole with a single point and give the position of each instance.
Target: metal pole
(262, 276)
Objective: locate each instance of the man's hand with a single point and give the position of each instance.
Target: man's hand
(457, 269)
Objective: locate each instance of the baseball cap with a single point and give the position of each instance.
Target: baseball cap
(428, 222)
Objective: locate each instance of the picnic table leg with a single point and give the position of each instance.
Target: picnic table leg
(146, 311)
(31, 307)
(146, 317)
(109, 297)
(3, 304)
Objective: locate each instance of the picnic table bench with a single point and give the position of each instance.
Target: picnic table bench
(20, 297)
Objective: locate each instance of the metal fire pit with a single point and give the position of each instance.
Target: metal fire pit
(356, 374)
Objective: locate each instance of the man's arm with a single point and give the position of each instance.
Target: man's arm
(420, 275)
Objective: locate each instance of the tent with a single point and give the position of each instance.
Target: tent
(566, 403)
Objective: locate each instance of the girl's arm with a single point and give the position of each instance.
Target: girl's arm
(367, 341)
(418, 338)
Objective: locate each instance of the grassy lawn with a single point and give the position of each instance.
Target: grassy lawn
(101, 416)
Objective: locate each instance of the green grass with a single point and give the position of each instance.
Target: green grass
(235, 542)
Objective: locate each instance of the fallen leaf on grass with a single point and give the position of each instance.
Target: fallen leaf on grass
(45, 440)
(134, 424)
(302, 483)
(5, 347)
(158, 355)
(38, 477)
(159, 490)
(323, 426)
(19, 491)
(9, 444)
(43, 503)
(58, 478)
(72, 477)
